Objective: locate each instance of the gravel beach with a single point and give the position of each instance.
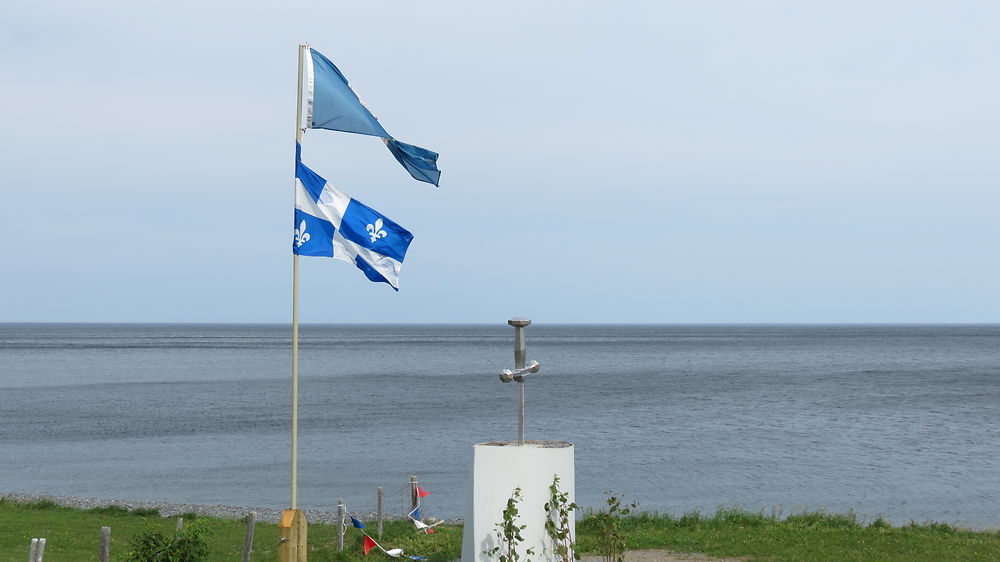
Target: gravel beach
(166, 509)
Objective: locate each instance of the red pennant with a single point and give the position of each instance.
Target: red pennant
(422, 493)
(430, 531)
(369, 544)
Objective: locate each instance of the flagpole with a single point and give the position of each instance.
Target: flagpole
(295, 309)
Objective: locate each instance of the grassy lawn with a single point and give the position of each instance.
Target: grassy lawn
(74, 536)
(803, 537)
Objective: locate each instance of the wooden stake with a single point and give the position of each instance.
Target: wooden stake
(105, 544)
(248, 542)
(414, 497)
(180, 523)
(341, 524)
(378, 510)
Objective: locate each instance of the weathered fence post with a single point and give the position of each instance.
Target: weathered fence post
(36, 552)
(414, 497)
(378, 510)
(248, 542)
(341, 524)
(180, 523)
(105, 544)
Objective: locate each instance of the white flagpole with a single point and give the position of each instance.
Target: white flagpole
(295, 310)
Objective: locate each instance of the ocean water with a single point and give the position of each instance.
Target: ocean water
(892, 421)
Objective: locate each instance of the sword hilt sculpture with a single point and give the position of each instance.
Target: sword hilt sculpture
(521, 371)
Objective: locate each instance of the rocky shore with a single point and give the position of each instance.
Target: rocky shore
(166, 509)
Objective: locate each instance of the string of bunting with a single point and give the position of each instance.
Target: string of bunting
(413, 515)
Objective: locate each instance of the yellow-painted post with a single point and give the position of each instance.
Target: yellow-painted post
(293, 544)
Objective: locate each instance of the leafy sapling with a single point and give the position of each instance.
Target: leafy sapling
(611, 544)
(558, 509)
(508, 533)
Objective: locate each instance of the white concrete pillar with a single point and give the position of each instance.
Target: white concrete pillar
(499, 468)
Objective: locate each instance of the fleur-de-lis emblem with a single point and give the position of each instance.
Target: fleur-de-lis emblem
(375, 230)
(301, 236)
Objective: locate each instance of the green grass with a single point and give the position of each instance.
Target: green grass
(74, 536)
(802, 537)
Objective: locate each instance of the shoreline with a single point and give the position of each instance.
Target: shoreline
(170, 509)
(265, 514)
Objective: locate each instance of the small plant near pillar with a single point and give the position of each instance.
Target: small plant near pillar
(558, 509)
(509, 533)
(610, 543)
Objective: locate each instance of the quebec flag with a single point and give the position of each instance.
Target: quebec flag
(330, 224)
(331, 104)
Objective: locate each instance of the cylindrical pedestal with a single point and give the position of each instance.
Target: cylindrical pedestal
(499, 468)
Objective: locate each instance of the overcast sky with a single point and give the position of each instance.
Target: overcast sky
(601, 161)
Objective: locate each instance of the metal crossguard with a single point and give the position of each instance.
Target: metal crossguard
(507, 375)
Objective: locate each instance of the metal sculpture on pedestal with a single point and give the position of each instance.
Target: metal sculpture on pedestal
(521, 370)
(499, 468)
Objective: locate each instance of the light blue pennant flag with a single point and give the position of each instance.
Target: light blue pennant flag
(330, 224)
(332, 104)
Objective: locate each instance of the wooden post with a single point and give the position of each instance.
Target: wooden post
(248, 542)
(378, 510)
(292, 541)
(414, 497)
(105, 544)
(36, 552)
(180, 523)
(341, 524)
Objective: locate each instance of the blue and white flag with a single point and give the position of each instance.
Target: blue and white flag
(332, 104)
(328, 223)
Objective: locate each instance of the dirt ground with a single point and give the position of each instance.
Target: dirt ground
(665, 556)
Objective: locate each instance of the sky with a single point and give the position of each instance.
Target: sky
(602, 162)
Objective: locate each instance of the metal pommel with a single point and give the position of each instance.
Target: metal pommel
(519, 322)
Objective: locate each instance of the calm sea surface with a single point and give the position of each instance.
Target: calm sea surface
(897, 421)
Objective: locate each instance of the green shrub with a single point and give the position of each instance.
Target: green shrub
(43, 505)
(879, 523)
(187, 545)
(113, 510)
(822, 520)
